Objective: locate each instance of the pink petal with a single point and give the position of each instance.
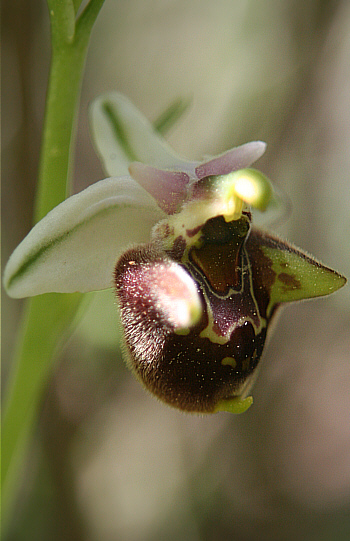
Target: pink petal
(167, 187)
(232, 160)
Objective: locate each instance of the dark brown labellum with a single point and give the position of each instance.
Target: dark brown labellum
(195, 368)
(226, 281)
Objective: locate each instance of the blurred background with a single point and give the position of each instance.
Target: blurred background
(108, 462)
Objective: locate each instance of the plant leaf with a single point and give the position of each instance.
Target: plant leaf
(75, 247)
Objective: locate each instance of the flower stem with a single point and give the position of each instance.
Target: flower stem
(69, 47)
(46, 317)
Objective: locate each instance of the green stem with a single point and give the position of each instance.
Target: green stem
(46, 317)
(45, 320)
(54, 166)
(67, 63)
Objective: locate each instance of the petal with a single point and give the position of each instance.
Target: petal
(75, 247)
(123, 135)
(286, 273)
(167, 187)
(232, 160)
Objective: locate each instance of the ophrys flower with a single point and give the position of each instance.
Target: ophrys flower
(197, 285)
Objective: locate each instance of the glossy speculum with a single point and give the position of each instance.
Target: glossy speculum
(197, 368)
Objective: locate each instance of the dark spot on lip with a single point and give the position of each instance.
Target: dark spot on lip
(192, 232)
(289, 281)
(167, 230)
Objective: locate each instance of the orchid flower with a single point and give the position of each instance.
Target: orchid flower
(197, 285)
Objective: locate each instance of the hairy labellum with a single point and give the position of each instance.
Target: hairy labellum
(196, 308)
(198, 368)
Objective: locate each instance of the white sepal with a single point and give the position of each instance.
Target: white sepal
(123, 135)
(75, 247)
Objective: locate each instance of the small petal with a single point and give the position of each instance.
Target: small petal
(167, 187)
(123, 135)
(232, 160)
(75, 247)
